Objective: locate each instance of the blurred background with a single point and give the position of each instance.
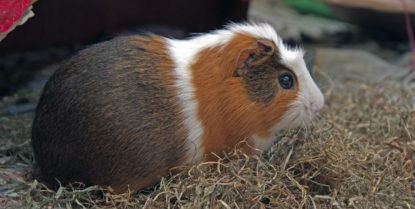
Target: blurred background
(364, 35)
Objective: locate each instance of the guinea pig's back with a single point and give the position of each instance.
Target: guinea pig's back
(109, 116)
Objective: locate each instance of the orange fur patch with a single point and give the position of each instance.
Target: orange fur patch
(225, 109)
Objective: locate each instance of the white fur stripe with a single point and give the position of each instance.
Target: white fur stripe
(183, 53)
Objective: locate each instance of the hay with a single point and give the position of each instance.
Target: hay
(360, 154)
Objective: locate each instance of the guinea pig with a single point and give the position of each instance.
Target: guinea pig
(121, 113)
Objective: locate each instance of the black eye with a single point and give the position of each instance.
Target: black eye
(286, 81)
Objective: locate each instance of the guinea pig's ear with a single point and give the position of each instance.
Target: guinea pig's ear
(257, 55)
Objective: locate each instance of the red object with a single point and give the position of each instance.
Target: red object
(10, 11)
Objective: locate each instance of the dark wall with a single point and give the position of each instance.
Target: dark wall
(66, 21)
(48, 37)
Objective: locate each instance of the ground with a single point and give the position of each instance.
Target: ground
(360, 153)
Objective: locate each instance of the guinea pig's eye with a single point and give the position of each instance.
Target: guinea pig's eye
(286, 81)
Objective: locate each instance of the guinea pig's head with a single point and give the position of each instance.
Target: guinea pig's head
(276, 76)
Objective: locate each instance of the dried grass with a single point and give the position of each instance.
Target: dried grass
(360, 154)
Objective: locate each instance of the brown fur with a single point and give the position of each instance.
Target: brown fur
(238, 98)
(109, 117)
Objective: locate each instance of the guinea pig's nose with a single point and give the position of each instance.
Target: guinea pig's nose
(318, 102)
(313, 107)
(316, 105)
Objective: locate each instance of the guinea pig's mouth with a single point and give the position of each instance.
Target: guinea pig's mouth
(308, 116)
(303, 115)
(300, 114)
(308, 109)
